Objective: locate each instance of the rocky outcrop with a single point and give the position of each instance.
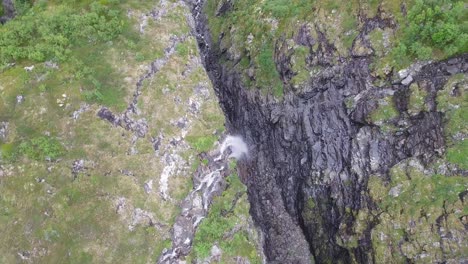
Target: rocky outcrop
(8, 11)
(312, 154)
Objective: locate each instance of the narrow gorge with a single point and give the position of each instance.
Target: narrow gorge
(319, 168)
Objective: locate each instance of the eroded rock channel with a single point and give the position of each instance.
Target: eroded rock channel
(312, 155)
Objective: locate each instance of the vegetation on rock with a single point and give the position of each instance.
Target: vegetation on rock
(226, 226)
(261, 34)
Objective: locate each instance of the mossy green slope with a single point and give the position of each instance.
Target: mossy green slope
(417, 213)
(74, 188)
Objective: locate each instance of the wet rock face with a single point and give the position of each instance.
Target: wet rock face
(311, 156)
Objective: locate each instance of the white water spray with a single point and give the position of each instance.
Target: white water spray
(237, 146)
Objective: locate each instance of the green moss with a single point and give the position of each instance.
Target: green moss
(310, 204)
(220, 221)
(453, 101)
(419, 191)
(376, 40)
(417, 99)
(349, 22)
(349, 102)
(8, 152)
(457, 121)
(308, 211)
(299, 66)
(385, 111)
(183, 49)
(453, 94)
(266, 74)
(330, 5)
(458, 153)
(202, 143)
(41, 148)
(410, 206)
(349, 38)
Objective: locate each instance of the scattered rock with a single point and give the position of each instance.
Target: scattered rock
(148, 186)
(194, 106)
(156, 141)
(24, 255)
(453, 69)
(19, 99)
(78, 166)
(395, 191)
(360, 49)
(208, 183)
(181, 122)
(407, 80)
(403, 73)
(216, 253)
(202, 90)
(83, 108)
(51, 65)
(4, 131)
(29, 68)
(127, 173)
(141, 217)
(143, 23)
(120, 205)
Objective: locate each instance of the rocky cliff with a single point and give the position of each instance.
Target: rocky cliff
(345, 167)
(8, 11)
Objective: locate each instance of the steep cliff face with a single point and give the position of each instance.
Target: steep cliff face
(342, 169)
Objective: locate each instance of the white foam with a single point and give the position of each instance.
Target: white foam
(237, 146)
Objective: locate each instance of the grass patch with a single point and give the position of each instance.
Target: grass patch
(41, 148)
(453, 101)
(299, 66)
(202, 143)
(410, 206)
(386, 111)
(267, 75)
(457, 154)
(220, 220)
(417, 99)
(422, 191)
(8, 152)
(376, 40)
